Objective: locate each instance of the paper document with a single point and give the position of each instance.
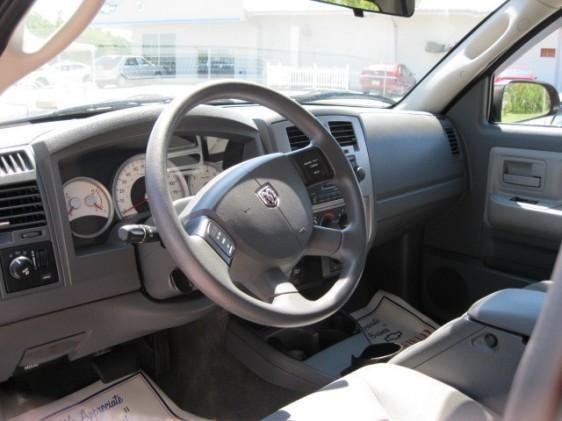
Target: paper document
(388, 318)
(130, 399)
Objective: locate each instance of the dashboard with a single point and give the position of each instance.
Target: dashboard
(105, 187)
(69, 287)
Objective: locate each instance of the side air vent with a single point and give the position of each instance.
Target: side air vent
(20, 207)
(297, 138)
(343, 132)
(453, 141)
(15, 162)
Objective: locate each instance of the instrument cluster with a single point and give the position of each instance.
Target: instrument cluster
(93, 207)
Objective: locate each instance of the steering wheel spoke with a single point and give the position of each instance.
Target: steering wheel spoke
(291, 301)
(216, 236)
(325, 241)
(269, 284)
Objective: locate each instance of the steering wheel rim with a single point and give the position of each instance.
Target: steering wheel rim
(261, 208)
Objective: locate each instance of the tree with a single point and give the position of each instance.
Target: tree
(104, 41)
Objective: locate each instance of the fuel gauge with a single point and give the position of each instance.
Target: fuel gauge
(89, 207)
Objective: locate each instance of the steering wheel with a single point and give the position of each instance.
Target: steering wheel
(240, 237)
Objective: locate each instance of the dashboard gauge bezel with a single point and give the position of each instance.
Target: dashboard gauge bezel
(110, 205)
(172, 168)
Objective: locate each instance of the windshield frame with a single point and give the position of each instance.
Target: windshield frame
(449, 53)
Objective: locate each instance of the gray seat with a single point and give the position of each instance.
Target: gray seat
(385, 392)
(542, 286)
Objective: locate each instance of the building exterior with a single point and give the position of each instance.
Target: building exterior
(194, 45)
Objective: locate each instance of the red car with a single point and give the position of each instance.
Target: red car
(513, 73)
(387, 79)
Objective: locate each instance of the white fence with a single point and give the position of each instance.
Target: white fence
(313, 77)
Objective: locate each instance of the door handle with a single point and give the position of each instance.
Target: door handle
(524, 173)
(522, 180)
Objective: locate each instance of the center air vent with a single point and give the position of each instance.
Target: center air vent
(20, 207)
(341, 130)
(297, 138)
(15, 162)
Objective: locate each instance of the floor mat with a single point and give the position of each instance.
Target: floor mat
(387, 318)
(208, 381)
(132, 398)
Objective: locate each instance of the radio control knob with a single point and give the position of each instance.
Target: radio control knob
(21, 267)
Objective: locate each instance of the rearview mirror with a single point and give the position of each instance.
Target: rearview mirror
(404, 8)
(523, 100)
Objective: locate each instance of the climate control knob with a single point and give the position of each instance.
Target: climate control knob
(359, 172)
(21, 267)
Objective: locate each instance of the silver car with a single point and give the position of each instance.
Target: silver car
(118, 70)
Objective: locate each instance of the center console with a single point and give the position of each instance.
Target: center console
(479, 352)
(327, 203)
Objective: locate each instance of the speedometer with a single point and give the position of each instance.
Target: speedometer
(129, 191)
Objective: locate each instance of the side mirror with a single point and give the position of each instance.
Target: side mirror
(523, 100)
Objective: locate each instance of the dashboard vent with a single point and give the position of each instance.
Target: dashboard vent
(453, 141)
(343, 132)
(15, 162)
(297, 138)
(20, 207)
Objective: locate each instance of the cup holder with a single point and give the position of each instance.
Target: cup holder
(302, 343)
(296, 343)
(373, 354)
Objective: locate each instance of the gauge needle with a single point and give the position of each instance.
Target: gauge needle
(71, 210)
(135, 205)
(98, 206)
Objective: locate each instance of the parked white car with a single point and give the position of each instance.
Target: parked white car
(61, 73)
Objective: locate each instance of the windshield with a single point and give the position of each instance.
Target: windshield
(315, 52)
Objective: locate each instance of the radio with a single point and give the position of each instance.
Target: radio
(324, 193)
(328, 192)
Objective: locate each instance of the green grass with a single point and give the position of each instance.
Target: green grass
(513, 118)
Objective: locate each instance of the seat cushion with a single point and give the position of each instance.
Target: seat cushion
(385, 392)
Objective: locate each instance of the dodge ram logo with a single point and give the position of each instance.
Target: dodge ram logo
(268, 196)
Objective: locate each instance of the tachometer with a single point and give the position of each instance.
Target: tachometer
(129, 191)
(89, 207)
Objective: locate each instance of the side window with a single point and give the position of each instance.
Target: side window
(131, 61)
(526, 86)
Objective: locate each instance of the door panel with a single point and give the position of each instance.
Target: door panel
(485, 242)
(525, 192)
